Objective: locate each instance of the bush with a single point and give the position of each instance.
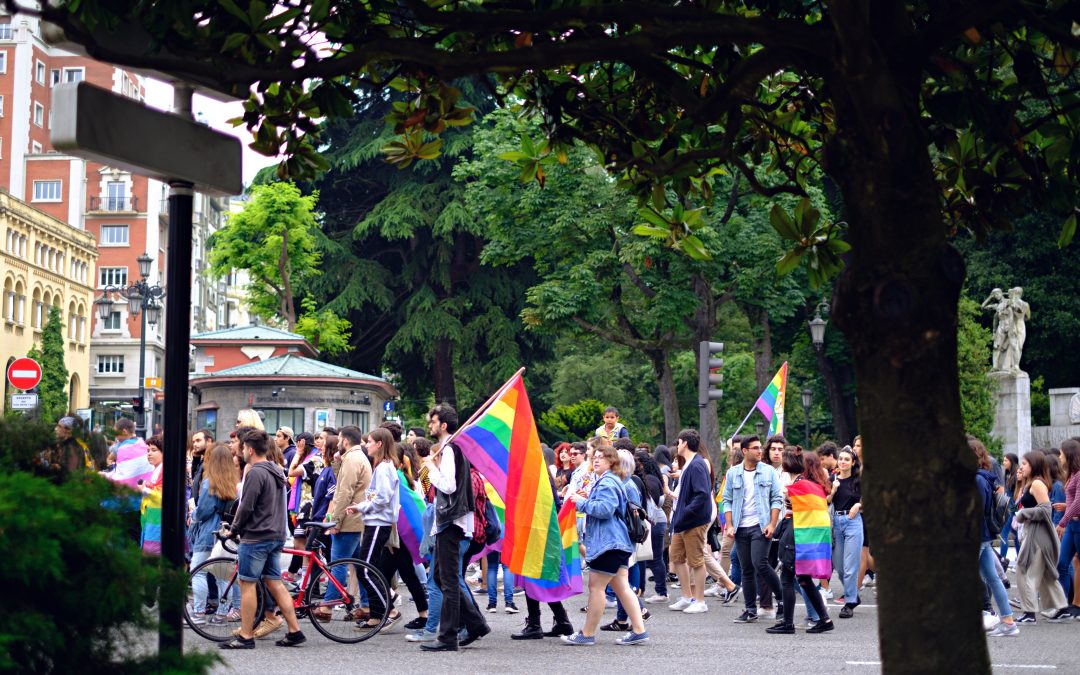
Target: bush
(76, 584)
(575, 422)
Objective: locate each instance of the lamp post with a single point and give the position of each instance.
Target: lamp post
(817, 325)
(807, 400)
(142, 298)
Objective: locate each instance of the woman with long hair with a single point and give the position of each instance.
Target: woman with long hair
(608, 549)
(846, 498)
(217, 491)
(986, 481)
(1011, 464)
(1068, 529)
(248, 417)
(804, 530)
(1036, 566)
(649, 473)
(564, 465)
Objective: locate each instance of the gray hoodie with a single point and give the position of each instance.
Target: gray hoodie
(261, 514)
(383, 499)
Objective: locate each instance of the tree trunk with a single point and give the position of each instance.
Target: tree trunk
(897, 304)
(842, 423)
(704, 327)
(288, 309)
(443, 372)
(761, 335)
(669, 400)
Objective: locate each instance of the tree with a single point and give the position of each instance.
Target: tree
(273, 240)
(325, 330)
(977, 392)
(929, 116)
(52, 395)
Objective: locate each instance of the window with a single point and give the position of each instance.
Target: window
(35, 149)
(207, 419)
(39, 114)
(358, 418)
(74, 74)
(112, 323)
(1, 106)
(110, 364)
(112, 276)
(115, 195)
(5, 31)
(283, 417)
(54, 76)
(114, 235)
(39, 72)
(51, 191)
(3, 62)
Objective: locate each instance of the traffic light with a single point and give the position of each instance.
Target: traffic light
(709, 375)
(137, 404)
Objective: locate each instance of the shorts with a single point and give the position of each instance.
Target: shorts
(688, 546)
(610, 562)
(261, 560)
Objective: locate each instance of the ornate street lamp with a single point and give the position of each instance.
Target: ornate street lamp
(807, 401)
(142, 298)
(817, 325)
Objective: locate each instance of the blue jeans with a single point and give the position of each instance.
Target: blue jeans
(199, 583)
(342, 545)
(634, 577)
(493, 580)
(1005, 536)
(435, 593)
(847, 552)
(988, 572)
(736, 568)
(261, 560)
(1070, 546)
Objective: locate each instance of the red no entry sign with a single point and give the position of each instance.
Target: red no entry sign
(24, 373)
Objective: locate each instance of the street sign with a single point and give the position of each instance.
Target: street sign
(153, 382)
(24, 401)
(388, 406)
(24, 373)
(96, 124)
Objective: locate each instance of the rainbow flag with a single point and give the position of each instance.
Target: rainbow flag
(502, 444)
(569, 583)
(771, 401)
(813, 529)
(410, 522)
(500, 511)
(150, 522)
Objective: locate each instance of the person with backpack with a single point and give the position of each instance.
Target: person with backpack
(690, 523)
(987, 483)
(608, 548)
(635, 491)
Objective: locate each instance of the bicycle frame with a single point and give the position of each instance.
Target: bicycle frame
(314, 558)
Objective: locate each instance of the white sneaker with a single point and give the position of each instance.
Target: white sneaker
(826, 593)
(656, 599)
(696, 607)
(611, 604)
(1004, 630)
(713, 591)
(767, 613)
(680, 604)
(989, 620)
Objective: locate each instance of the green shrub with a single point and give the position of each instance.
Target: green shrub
(574, 422)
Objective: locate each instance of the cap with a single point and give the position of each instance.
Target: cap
(287, 431)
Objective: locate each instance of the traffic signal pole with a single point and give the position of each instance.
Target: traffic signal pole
(709, 380)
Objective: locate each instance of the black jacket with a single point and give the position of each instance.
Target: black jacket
(450, 507)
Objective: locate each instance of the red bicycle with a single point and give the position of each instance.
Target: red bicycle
(339, 618)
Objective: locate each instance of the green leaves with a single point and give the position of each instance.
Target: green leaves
(531, 159)
(820, 246)
(1068, 231)
(677, 231)
(411, 147)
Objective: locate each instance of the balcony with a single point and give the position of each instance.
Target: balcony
(113, 204)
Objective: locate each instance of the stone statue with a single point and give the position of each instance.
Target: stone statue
(1074, 409)
(1010, 331)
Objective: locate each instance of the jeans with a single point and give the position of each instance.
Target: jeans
(753, 551)
(458, 610)
(493, 580)
(736, 569)
(656, 565)
(1005, 536)
(435, 595)
(342, 545)
(199, 583)
(990, 578)
(811, 613)
(815, 606)
(847, 552)
(1070, 546)
(635, 578)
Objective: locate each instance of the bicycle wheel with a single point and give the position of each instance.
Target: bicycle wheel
(218, 621)
(341, 627)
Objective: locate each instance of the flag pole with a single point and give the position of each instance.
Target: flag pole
(478, 411)
(743, 423)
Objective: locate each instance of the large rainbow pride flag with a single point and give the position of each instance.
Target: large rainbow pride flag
(771, 401)
(813, 529)
(410, 523)
(502, 443)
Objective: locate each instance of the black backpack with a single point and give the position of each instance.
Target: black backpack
(997, 510)
(635, 519)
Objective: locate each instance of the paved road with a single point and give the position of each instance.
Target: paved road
(680, 643)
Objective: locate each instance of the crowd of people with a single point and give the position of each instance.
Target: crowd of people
(779, 520)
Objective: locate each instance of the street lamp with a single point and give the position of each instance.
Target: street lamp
(141, 298)
(807, 400)
(817, 325)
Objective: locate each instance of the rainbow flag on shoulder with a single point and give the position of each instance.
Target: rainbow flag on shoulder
(410, 523)
(502, 443)
(771, 401)
(813, 529)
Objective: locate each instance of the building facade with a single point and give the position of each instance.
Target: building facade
(46, 263)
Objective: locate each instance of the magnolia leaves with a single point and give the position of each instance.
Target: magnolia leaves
(821, 246)
(677, 230)
(532, 158)
(434, 109)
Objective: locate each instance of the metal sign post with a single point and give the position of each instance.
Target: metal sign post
(188, 156)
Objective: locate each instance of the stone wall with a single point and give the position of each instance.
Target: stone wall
(1051, 437)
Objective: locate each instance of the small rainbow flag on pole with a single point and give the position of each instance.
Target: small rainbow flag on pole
(813, 530)
(410, 523)
(502, 443)
(771, 401)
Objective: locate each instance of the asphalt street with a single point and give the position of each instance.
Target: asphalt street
(680, 642)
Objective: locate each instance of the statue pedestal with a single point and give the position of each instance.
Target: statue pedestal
(1012, 418)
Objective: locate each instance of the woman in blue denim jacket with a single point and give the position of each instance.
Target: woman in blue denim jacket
(607, 550)
(217, 492)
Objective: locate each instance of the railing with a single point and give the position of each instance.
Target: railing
(114, 204)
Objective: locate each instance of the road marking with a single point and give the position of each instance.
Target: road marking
(1030, 666)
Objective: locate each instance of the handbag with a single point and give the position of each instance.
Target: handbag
(644, 550)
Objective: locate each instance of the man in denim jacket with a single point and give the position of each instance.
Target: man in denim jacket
(753, 498)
